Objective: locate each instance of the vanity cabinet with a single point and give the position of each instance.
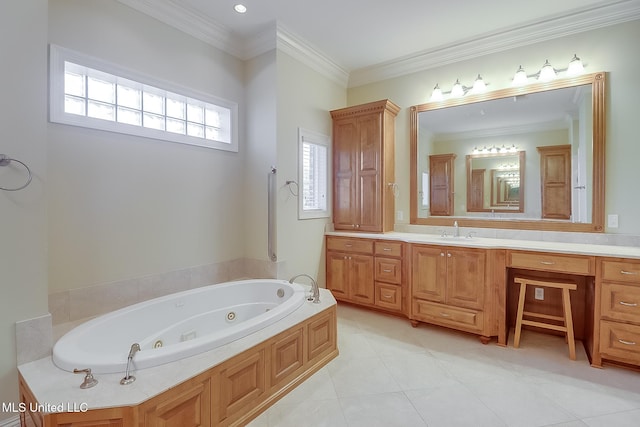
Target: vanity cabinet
(364, 167)
(448, 287)
(350, 269)
(619, 282)
(368, 272)
(389, 276)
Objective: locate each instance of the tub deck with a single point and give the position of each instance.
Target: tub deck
(229, 385)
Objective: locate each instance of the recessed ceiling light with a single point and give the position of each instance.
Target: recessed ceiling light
(240, 8)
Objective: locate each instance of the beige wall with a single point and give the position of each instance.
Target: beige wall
(23, 245)
(304, 100)
(608, 49)
(122, 206)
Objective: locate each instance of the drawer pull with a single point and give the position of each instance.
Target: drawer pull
(445, 315)
(387, 296)
(386, 249)
(348, 245)
(547, 262)
(387, 271)
(628, 304)
(626, 342)
(629, 273)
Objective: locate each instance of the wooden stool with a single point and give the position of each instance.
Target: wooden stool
(566, 306)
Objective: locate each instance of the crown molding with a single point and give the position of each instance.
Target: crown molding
(190, 22)
(308, 55)
(557, 26)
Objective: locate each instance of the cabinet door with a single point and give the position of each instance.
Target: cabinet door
(344, 163)
(338, 274)
(186, 405)
(465, 277)
(428, 273)
(369, 149)
(361, 278)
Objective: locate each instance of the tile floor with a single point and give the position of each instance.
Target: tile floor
(390, 374)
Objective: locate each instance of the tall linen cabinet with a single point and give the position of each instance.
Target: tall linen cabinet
(364, 167)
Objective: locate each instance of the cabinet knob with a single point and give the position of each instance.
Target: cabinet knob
(441, 253)
(448, 254)
(345, 257)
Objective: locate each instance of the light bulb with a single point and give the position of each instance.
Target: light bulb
(457, 90)
(436, 95)
(575, 66)
(547, 73)
(520, 78)
(479, 86)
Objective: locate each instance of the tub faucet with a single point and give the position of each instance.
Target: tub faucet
(128, 379)
(315, 291)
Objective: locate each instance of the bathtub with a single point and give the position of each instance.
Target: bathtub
(176, 326)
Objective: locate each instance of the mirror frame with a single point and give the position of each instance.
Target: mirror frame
(521, 165)
(598, 83)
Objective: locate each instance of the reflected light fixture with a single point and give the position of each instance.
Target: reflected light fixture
(575, 66)
(240, 8)
(547, 72)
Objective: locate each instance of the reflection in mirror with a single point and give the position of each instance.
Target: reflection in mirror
(495, 182)
(516, 121)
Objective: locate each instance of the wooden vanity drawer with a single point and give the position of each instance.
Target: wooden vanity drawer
(620, 341)
(620, 302)
(362, 246)
(448, 315)
(571, 264)
(621, 271)
(393, 249)
(388, 296)
(388, 270)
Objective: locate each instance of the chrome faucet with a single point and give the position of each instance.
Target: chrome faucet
(128, 379)
(456, 229)
(315, 291)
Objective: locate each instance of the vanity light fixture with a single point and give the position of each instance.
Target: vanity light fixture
(437, 95)
(494, 149)
(547, 72)
(479, 86)
(520, 78)
(457, 90)
(575, 66)
(240, 8)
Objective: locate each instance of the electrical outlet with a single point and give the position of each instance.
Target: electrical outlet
(399, 215)
(612, 220)
(539, 295)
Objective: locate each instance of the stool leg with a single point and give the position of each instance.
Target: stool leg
(523, 291)
(566, 300)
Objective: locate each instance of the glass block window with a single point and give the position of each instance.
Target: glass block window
(314, 175)
(87, 92)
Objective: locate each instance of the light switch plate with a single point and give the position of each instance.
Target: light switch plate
(612, 220)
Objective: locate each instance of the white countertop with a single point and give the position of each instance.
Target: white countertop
(54, 387)
(491, 243)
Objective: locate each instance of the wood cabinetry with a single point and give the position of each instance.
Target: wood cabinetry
(441, 184)
(364, 166)
(448, 287)
(619, 324)
(555, 181)
(367, 272)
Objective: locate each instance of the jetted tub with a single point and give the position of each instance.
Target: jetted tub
(176, 326)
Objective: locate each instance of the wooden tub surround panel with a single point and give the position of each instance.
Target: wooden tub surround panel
(230, 394)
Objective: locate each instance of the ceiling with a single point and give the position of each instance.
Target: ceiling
(357, 35)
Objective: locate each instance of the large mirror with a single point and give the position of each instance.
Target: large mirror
(500, 142)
